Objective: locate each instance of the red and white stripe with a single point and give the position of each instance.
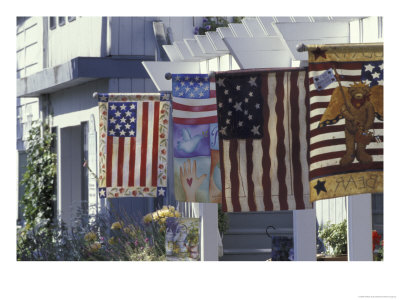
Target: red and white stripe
(327, 144)
(196, 111)
(271, 173)
(133, 161)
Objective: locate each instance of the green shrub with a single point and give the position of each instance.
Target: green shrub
(335, 237)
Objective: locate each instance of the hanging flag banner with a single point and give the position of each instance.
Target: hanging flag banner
(346, 119)
(263, 134)
(133, 144)
(197, 173)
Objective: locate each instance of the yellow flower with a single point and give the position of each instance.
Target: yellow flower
(112, 241)
(171, 208)
(147, 218)
(95, 247)
(117, 225)
(90, 236)
(177, 214)
(155, 216)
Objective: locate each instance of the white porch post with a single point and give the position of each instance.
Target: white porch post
(304, 235)
(208, 213)
(359, 227)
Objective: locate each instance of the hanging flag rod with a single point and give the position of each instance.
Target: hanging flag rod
(168, 75)
(301, 47)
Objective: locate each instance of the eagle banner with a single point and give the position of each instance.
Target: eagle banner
(346, 119)
(263, 138)
(197, 176)
(133, 144)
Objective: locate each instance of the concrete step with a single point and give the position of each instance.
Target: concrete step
(251, 239)
(260, 220)
(246, 255)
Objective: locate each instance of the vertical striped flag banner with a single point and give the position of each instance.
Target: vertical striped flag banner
(263, 134)
(346, 119)
(197, 176)
(133, 144)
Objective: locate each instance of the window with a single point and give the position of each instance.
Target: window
(19, 122)
(71, 19)
(52, 23)
(61, 21)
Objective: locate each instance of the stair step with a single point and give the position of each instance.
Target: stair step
(246, 241)
(246, 251)
(259, 231)
(246, 257)
(260, 220)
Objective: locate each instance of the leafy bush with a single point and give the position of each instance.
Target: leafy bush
(212, 23)
(223, 220)
(335, 236)
(107, 237)
(40, 177)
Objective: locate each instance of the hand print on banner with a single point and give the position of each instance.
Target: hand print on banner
(193, 176)
(196, 144)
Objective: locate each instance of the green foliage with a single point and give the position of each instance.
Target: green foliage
(223, 220)
(102, 239)
(212, 23)
(39, 178)
(335, 236)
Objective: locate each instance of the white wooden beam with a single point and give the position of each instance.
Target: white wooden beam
(225, 32)
(293, 34)
(359, 227)
(195, 49)
(157, 70)
(239, 30)
(185, 52)
(304, 235)
(254, 27)
(205, 44)
(173, 53)
(262, 52)
(208, 213)
(266, 22)
(217, 42)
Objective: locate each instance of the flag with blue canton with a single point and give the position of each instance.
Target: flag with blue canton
(195, 131)
(133, 144)
(372, 73)
(263, 133)
(122, 119)
(240, 106)
(346, 120)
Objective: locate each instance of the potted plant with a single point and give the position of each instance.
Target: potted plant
(335, 238)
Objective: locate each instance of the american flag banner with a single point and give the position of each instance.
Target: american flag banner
(263, 136)
(133, 131)
(197, 176)
(346, 119)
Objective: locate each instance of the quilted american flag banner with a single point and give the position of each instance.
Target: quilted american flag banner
(263, 136)
(133, 145)
(346, 119)
(197, 176)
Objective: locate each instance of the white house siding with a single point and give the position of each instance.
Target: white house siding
(29, 46)
(70, 108)
(133, 36)
(131, 85)
(80, 37)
